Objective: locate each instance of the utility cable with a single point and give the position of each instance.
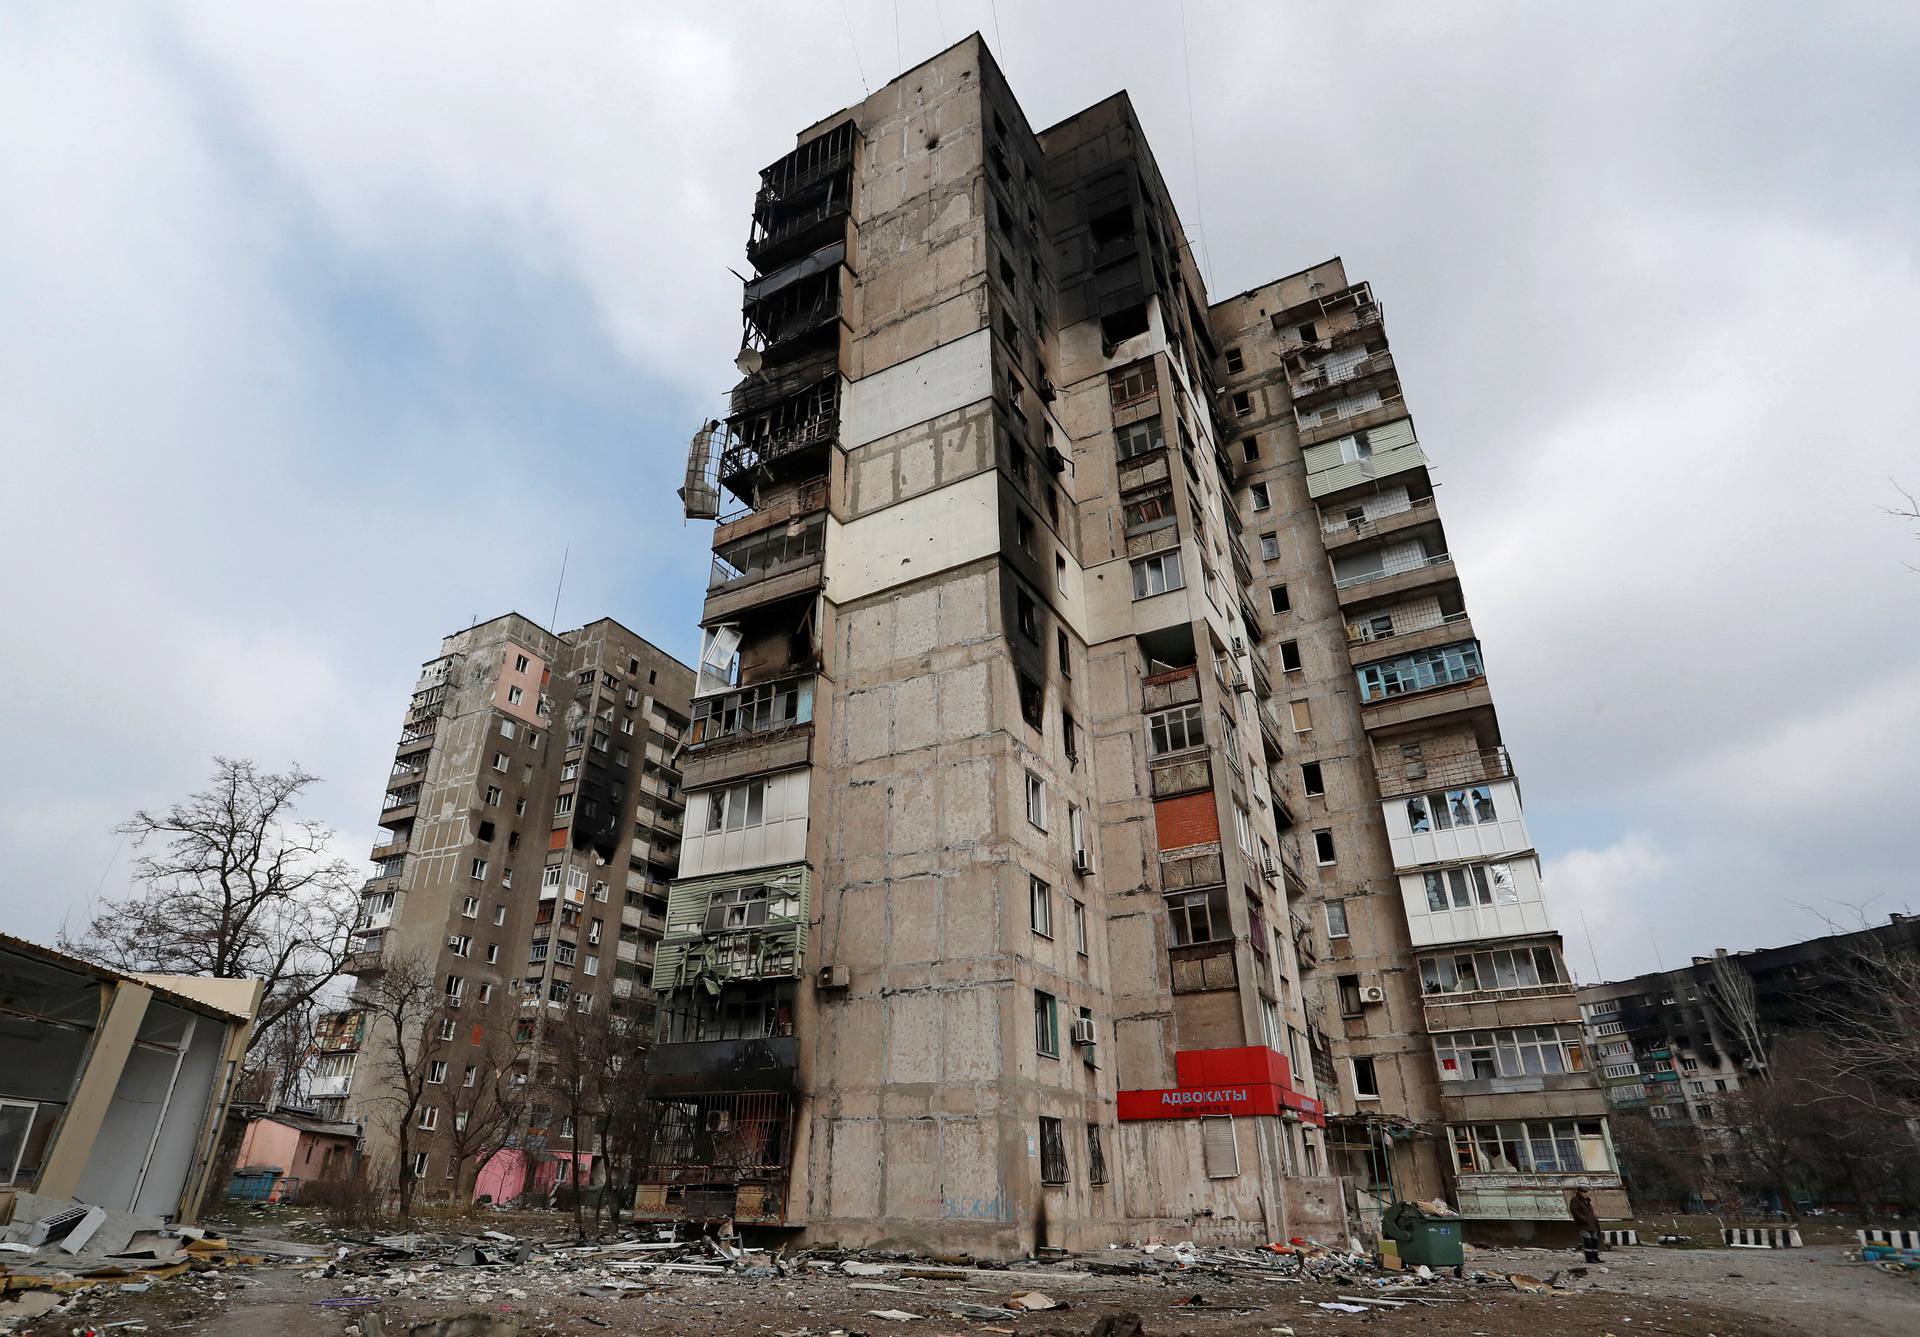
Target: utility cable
(854, 42)
(1193, 147)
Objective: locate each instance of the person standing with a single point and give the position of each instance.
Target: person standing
(1588, 1222)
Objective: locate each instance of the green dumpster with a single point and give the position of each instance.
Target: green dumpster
(1423, 1237)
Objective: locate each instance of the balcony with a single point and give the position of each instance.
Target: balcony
(795, 308)
(1445, 772)
(1367, 471)
(368, 960)
(1404, 576)
(1272, 729)
(1321, 380)
(400, 805)
(1408, 633)
(415, 742)
(323, 1088)
(778, 564)
(1376, 523)
(392, 847)
(1499, 1009)
(772, 437)
(1423, 685)
(792, 227)
(761, 727)
(1391, 408)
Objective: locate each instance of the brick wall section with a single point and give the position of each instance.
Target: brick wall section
(1189, 819)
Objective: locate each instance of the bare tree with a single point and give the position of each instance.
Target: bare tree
(621, 1050)
(406, 1035)
(233, 886)
(487, 1104)
(1908, 509)
(570, 1062)
(1733, 995)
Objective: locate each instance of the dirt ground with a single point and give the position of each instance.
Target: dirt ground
(1684, 1293)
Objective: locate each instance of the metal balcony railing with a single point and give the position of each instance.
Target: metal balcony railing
(1400, 569)
(1325, 378)
(1367, 525)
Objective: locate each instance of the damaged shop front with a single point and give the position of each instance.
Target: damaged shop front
(113, 1087)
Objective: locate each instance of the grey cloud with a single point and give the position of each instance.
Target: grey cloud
(1650, 274)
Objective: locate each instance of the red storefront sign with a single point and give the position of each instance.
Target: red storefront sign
(1249, 1080)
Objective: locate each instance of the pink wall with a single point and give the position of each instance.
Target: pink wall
(297, 1154)
(527, 708)
(504, 1176)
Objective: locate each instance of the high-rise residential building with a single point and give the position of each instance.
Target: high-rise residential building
(1452, 1033)
(1065, 681)
(530, 828)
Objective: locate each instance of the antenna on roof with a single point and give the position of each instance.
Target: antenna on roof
(553, 618)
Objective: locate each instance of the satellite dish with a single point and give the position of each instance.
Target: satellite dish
(749, 361)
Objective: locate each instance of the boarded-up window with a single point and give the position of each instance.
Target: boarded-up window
(1302, 715)
(1216, 1143)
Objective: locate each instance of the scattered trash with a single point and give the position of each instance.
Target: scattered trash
(1035, 1300)
(1520, 1281)
(894, 1315)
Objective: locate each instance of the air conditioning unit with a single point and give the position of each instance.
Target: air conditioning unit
(832, 977)
(1373, 993)
(1239, 646)
(453, 940)
(1083, 1030)
(1082, 862)
(1268, 868)
(453, 1002)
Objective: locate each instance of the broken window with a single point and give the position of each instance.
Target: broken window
(1366, 1082)
(1243, 404)
(1417, 672)
(1323, 846)
(1066, 659)
(1250, 448)
(1028, 616)
(1290, 656)
(1350, 1001)
(1311, 781)
(1260, 496)
(1176, 730)
(1032, 699)
(1195, 917)
(1235, 362)
(1137, 438)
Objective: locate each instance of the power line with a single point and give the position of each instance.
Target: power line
(940, 17)
(999, 45)
(854, 42)
(899, 61)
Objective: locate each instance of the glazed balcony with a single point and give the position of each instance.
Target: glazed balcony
(766, 567)
(400, 805)
(761, 727)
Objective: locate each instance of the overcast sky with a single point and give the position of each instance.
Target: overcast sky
(323, 329)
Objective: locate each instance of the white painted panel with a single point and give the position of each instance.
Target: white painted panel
(938, 381)
(1501, 920)
(780, 838)
(928, 534)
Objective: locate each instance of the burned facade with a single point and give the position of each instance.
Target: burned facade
(530, 827)
(1015, 777)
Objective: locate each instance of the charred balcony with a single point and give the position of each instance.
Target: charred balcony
(715, 1156)
(767, 567)
(796, 309)
(776, 442)
(803, 213)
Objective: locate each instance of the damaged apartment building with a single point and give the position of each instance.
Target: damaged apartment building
(529, 829)
(1098, 823)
